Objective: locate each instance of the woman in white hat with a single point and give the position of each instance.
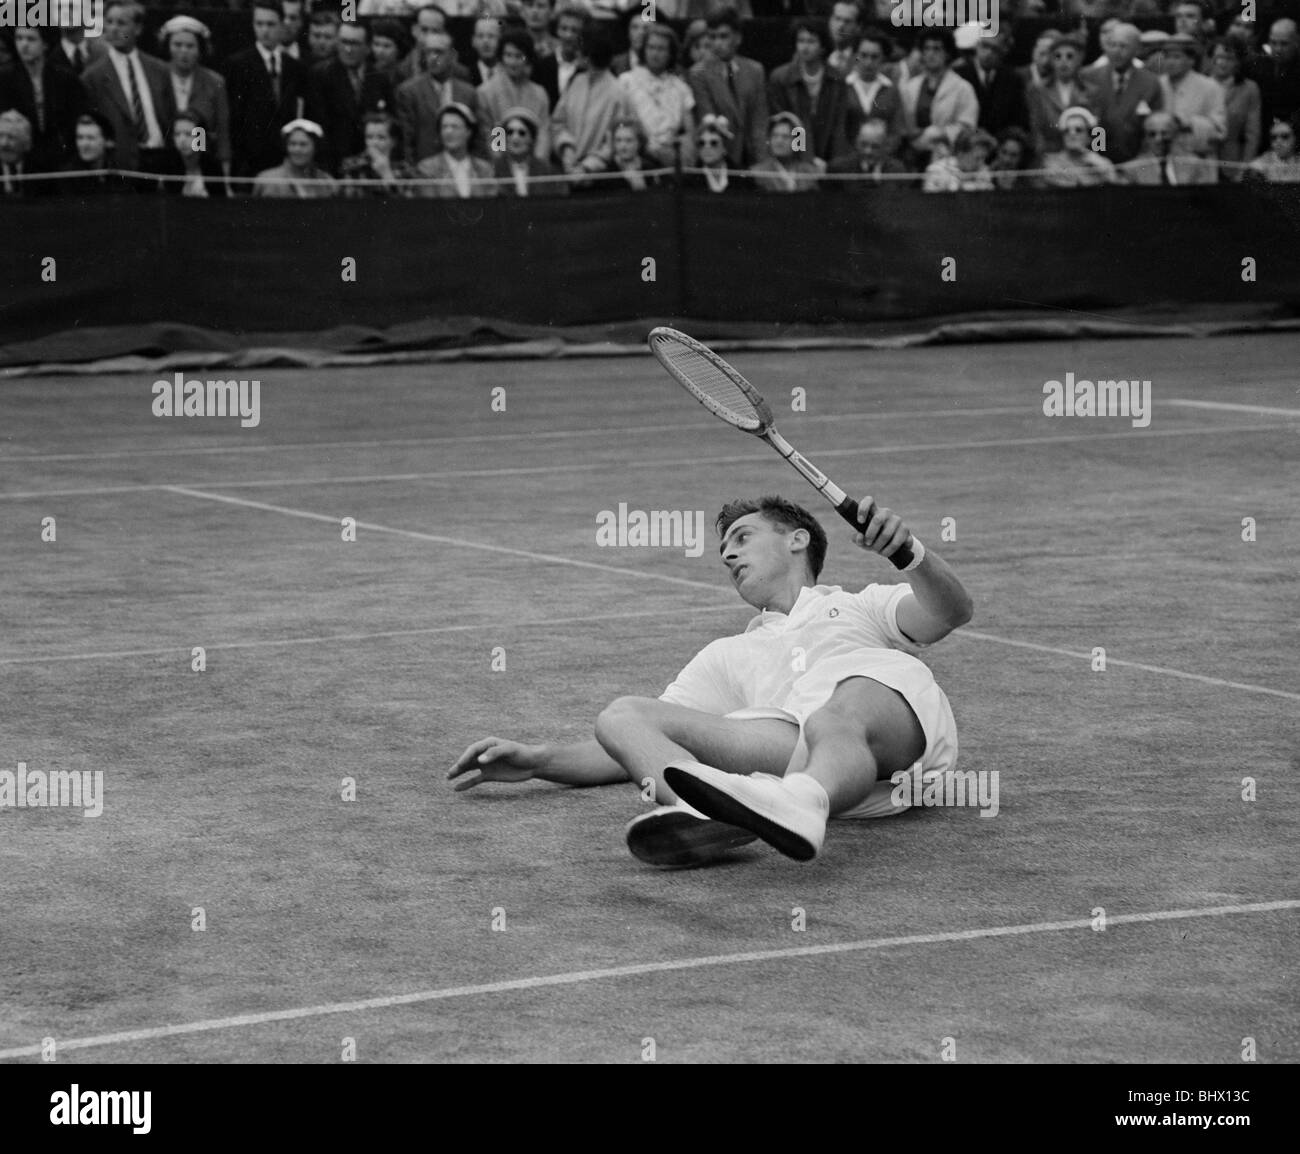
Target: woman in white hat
(186, 42)
(453, 172)
(299, 176)
(1075, 164)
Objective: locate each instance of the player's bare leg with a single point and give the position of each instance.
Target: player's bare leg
(643, 735)
(864, 731)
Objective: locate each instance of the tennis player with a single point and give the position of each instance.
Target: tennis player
(806, 715)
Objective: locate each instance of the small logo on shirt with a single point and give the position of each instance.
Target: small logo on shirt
(833, 613)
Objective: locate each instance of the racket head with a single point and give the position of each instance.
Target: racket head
(715, 383)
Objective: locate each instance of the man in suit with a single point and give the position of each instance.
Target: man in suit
(813, 92)
(870, 159)
(1128, 94)
(486, 44)
(1066, 89)
(1038, 72)
(420, 99)
(291, 29)
(1278, 74)
(845, 27)
(555, 72)
(267, 89)
(1159, 164)
(999, 90)
(48, 95)
(78, 51)
(15, 145)
(728, 84)
(342, 92)
(132, 91)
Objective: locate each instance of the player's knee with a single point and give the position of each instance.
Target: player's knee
(834, 721)
(613, 721)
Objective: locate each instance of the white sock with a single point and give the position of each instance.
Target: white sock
(809, 790)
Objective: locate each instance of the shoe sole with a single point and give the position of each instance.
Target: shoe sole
(680, 841)
(712, 802)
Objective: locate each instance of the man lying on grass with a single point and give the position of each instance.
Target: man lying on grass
(806, 715)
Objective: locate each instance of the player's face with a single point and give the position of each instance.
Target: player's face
(758, 557)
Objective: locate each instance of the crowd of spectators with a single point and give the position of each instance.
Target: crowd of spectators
(544, 104)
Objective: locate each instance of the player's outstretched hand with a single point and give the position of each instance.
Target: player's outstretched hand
(496, 760)
(883, 530)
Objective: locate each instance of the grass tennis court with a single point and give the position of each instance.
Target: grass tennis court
(373, 660)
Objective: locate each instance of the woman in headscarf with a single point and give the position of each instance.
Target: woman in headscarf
(453, 172)
(786, 168)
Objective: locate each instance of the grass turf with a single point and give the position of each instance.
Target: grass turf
(372, 660)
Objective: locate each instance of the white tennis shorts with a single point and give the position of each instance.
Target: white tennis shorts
(899, 671)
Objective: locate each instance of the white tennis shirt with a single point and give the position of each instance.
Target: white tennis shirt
(793, 662)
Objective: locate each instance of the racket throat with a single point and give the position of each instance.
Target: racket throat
(810, 472)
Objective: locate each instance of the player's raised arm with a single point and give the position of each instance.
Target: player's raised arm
(939, 602)
(496, 759)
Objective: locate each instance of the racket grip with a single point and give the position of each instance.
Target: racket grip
(848, 509)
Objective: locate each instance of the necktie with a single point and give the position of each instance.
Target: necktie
(356, 83)
(731, 81)
(1164, 172)
(137, 105)
(1169, 171)
(79, 59)
(1121, 79)
(38, 97)
(275, 77)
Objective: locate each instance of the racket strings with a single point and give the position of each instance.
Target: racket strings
(713, 382)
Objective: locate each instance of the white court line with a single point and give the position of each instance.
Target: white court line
(415, 535)
(712, 586)
(570, 466)
(1234, 408)
(671, 610)
(977, 635)
(625, 430)
(576, 977)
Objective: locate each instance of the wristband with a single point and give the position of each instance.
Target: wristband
(918, 554)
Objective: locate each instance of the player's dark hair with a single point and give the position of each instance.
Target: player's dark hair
(784, 514)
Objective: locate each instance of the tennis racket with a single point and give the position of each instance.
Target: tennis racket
(726, 394)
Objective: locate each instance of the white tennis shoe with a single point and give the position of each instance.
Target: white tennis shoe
(679, 837)
(792, 820)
